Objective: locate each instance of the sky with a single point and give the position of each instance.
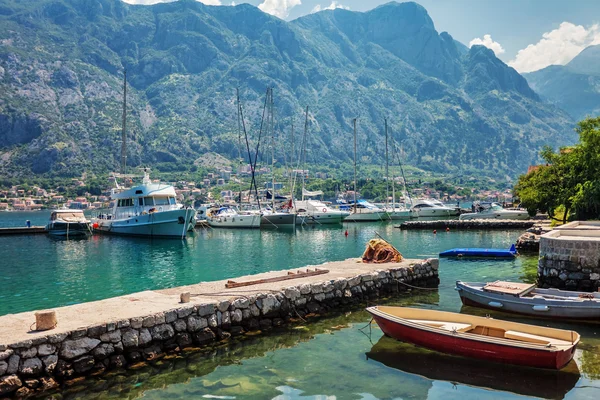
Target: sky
(526, 34)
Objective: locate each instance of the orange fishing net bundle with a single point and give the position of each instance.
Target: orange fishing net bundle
(379, 251)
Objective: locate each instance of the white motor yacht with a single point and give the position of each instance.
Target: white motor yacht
(400, 212)
(363, 211)
(434, 208)
(68, 223)
(229, 217)
(317, 212)
(494, 211)
(148, 210)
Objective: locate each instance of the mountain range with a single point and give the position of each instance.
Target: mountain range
(451, 108)
(574, 87)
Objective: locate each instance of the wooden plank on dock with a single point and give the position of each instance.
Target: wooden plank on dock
(290, 275)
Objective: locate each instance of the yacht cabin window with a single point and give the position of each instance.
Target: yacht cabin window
(172, 201)
(140, 201)
(125, 203)
(148, 201)
(161, 201)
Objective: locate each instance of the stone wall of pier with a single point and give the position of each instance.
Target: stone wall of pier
(45, 363)
(569, 263)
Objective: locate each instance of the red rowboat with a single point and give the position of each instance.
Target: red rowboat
(478, 337)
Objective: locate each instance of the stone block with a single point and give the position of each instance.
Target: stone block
(96, 331)
(185, 311)
(163, 332)
(4, 355)
(316, 288)
(319, 297)
(241, 303)
(136, 323)
(206, 309)
(74, 348)
(145, 337)
(149, 321)
(3, 367)
(28, 353)
(111, 337)
(31, 367)
(236, 316)
(104, 350)
(170, 316)
(292, 293)
(194, 323)
(223, 305)
(159, 318)
(83, 364)
(130, 338)
(212, 320)
(305, 288)
(180, 325)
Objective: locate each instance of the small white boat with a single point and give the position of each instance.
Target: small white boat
(494, 211)
(147, 210)
(317, 212)
(434, 208)
(68, 223)
(229, 217)
(363, 211)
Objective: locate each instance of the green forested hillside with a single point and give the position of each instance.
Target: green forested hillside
(61, 62)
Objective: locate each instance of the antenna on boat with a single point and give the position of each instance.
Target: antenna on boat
(124, 124)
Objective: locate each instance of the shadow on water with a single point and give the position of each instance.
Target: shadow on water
(459, 370)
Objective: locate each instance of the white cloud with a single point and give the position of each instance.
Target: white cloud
(279, 8)
(556, 47)
(150, 2)
(488, 42)
(332, 6)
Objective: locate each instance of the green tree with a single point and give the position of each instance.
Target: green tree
(569, 180)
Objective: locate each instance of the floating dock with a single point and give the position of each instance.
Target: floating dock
(91, 338)
(34, 230)
(477, 224)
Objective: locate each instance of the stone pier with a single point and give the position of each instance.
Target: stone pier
(94, 337)
(570, 257)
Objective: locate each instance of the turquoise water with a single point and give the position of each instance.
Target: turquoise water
(39, 272)
(331, 358)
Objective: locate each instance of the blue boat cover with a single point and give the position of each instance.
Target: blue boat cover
(476, 252)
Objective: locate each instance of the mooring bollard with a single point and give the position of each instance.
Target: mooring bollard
(185, 297)
(45, 320)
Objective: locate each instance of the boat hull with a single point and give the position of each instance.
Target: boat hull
(320, 218)
(68, 230)
(278, 220)
(235, 222)
(402, 214)
(538, 307)
(428, 213)
(452, 343)
(168, 224)
(367, 216)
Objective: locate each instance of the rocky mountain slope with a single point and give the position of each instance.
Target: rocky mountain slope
(574, 87)
(61, 62)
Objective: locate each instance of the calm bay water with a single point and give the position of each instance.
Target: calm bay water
(329, 359)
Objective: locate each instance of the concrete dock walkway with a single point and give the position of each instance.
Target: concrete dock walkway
(93, 337)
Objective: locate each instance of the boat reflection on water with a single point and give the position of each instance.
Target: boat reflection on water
(458, 370)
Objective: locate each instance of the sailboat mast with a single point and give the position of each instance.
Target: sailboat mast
(304, 140)
(239, 123)
(272, 151)
(124, 125)
(387, 169)
(354, 165)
